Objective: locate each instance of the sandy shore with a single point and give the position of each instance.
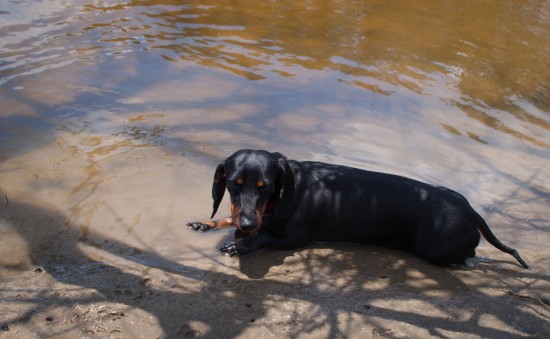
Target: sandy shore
(318, 292)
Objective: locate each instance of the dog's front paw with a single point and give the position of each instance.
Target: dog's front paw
(229, 249)
(199, 226)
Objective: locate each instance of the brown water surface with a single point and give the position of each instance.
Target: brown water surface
(114, 114)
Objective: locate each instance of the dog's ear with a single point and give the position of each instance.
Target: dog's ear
(285, 188)
(218, 187)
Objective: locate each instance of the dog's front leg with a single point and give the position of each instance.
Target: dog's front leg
(245, 243)
(203, 226)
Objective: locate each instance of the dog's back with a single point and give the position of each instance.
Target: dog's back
(353, 205)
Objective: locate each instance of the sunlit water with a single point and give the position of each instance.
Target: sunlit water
(114, 114)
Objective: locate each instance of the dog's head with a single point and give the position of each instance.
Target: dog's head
(258, 182)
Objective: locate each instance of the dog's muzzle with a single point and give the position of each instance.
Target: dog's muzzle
(248, 220)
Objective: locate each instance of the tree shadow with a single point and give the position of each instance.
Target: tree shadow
(56, 249)
(328, 290)
(392, 290)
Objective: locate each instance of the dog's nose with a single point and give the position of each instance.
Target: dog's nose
(248, 223)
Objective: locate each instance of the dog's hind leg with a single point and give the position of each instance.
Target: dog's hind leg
(445, 254)
(446, 240)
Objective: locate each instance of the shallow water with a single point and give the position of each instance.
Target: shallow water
(115, 113)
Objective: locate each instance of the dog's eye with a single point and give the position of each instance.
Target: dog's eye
(239, 182)
(260, 184)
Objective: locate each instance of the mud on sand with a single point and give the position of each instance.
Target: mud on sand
(318, 292)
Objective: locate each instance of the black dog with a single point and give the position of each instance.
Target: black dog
(285, 204)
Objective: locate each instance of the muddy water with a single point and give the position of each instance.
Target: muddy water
(114, 114)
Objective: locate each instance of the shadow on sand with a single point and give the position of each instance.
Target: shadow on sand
(324, 290)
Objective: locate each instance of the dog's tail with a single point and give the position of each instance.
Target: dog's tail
(492, 239)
